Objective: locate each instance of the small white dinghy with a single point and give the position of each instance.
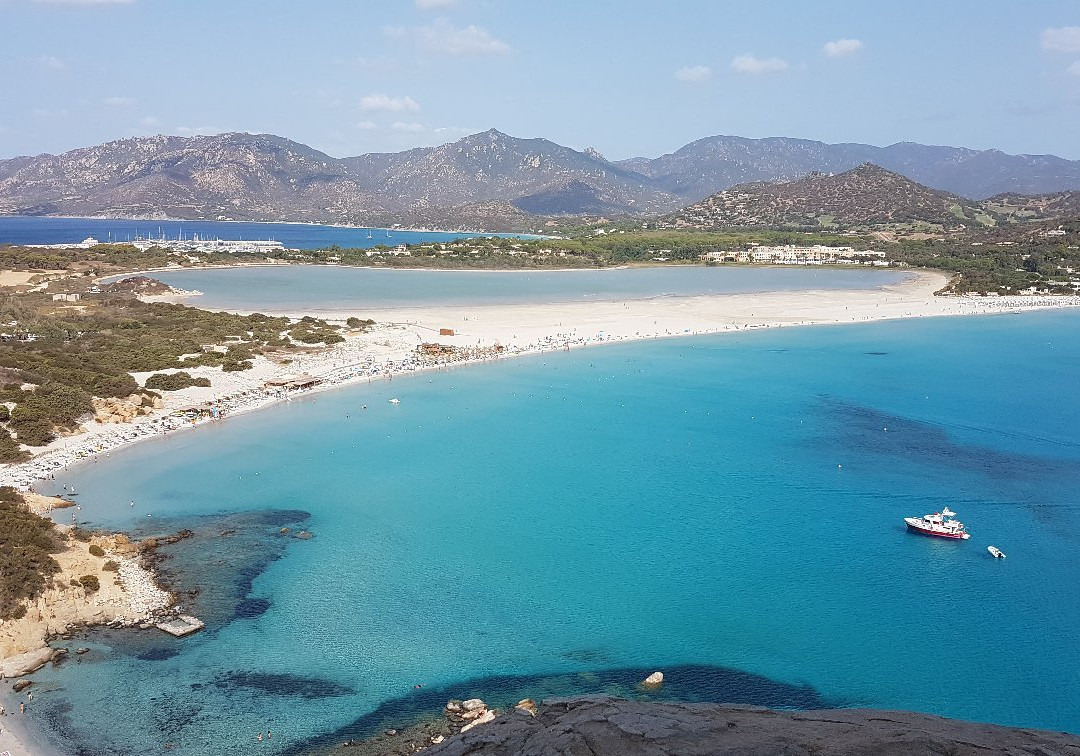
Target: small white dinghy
(395, 401)
(996, 552)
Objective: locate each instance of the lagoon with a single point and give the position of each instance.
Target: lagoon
(323, 288)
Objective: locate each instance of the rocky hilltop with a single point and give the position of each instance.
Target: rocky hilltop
(864, 196)
(495, 166)
(485, 180)
(602, 726)
(240, 176)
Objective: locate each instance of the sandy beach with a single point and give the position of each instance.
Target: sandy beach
(484, 332)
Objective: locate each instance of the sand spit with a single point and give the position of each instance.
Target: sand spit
(485, 332)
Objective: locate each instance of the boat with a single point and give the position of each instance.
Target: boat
(996, 552)
(395, 401)
(940, 524)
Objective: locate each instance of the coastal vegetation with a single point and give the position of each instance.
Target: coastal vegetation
(174, 381)
(998, 261)
(57, 355)
(27, 543)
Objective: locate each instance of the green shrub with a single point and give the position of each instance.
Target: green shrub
(175, 381)
(27, 542)
(33, 432)
(5, 413)
(10, 451)
(111, 566)
(90, 583)
(96, 550)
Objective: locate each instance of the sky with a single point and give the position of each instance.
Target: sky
(626, 77)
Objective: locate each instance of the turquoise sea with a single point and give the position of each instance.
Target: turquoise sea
(726, 509)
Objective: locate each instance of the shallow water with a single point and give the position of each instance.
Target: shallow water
(727, 505)
(330, 288)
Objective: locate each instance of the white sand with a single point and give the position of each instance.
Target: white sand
(390, 347)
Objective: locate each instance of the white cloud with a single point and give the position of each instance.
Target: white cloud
(410, 128)
(694, 73)
(749, 64)
(366, 125)
(841, 47)
(196, 131)
(50, 63)
(443, 37)
(118, 102)
(1061, 39)
(435, 4)
(452, 131)
(388, 103)
(1074, 69)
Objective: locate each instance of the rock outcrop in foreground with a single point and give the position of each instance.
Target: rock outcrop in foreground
(614, 727)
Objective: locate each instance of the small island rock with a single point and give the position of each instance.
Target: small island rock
(655, 680)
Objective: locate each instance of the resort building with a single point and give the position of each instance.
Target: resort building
(794, 254)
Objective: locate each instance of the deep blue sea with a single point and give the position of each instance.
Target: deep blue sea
(726, 509)
(316, 288)
(17, 229)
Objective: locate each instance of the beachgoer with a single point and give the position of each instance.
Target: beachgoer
(22, 708)
(269, 734)
(259, 737)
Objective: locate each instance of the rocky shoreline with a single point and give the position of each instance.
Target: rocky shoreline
(607, 726)
(128, 593)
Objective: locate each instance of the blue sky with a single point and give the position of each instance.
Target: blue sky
(630, 77)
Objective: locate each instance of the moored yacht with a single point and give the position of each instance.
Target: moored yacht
(940, 524)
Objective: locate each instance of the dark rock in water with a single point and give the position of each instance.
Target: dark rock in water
(251, 607)
(158, 654)
(82, 650)
(605, 726)
(304, 534)
(281, 685)
(21, 685)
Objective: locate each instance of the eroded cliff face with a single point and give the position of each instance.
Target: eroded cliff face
(614, 727)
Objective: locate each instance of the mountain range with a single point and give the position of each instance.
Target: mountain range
(485, 180)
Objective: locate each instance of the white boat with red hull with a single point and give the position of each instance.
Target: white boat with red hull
(940, 524)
